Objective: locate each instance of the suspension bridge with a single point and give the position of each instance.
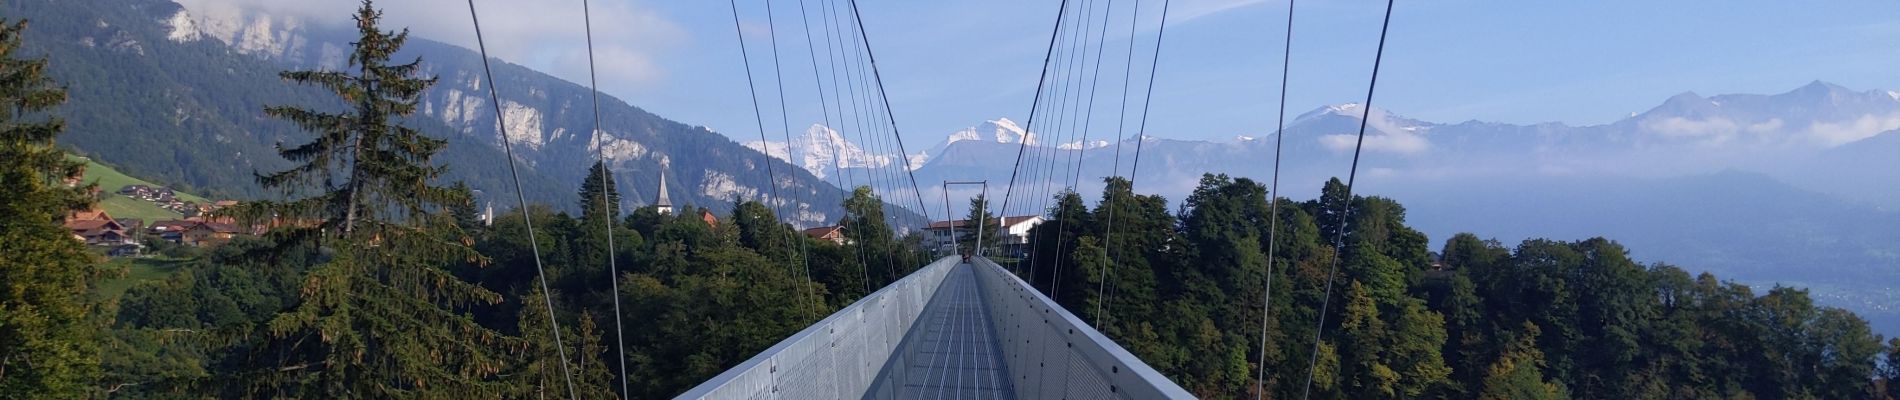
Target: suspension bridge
(959, 327)
(952, 330)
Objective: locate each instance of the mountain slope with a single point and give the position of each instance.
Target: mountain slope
(214, 73)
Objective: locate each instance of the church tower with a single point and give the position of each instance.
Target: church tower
(664, 205)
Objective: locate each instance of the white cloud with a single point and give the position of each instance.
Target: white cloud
(546, 35)
(1834, 134)
(1716, 129)
(1380, 141)
(1387, 135)
(1771, 126)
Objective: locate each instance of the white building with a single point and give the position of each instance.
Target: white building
(1014, 238)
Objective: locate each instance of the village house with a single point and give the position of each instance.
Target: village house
(1014, 239)
(96, 228)
(833, 234)
(204, 234)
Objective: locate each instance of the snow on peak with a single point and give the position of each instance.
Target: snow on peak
(1349, 110)
(822, 149)
(1000, 130)
(1078, 145)
(1893, 94)
(1245, 138)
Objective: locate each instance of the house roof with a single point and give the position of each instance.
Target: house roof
(823, 231)
(220, 227)
(93, 225)
(88, 215)
(172, 225)
(1007, 221)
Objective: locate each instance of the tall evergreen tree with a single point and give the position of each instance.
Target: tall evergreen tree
(600, 193)
(48, 347)
(380, 318)
(982, 225)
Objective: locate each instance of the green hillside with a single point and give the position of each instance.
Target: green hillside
(110, 180)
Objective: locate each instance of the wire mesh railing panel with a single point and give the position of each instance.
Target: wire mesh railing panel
(1051, 354)
(838, 357)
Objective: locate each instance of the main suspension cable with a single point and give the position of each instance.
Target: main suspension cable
(1041, 80)
(785, 124)
(1345, 218)
(1141, 130)
(1273, 207)
(1115, 169)
(508, 150)
(896, 135)
(600, 150)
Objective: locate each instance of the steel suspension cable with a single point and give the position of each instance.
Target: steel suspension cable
(860, 118)
(785, 124)
(508, 150)
(1047, 151)
(876, 141)
(1115, 169)
(1273, 207)
(1141, 131)
(896, 135)
(1070, 167)
(771, 175)
(1345, 218)
(837, 151)
(837, 100)
(1088, 122)
(1037, 179)
(1041, 80)
(600, 150)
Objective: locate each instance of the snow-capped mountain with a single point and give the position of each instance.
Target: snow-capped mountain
(209, 62)
(1000, 130)
(822, 150)
(1684, 134)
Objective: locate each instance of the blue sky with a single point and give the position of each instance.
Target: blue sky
(953, 64)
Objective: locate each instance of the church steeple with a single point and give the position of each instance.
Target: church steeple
(664, 205)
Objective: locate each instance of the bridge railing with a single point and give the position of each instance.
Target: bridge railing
(838, 357)
(1051, 354)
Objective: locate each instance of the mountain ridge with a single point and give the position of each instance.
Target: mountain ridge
(222, 72)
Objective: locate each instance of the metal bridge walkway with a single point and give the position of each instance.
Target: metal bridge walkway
(953, 354)
(948, 331)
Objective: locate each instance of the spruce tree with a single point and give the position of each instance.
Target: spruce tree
(981, 225)
(383, 317)
(538, 374)
(47, 343)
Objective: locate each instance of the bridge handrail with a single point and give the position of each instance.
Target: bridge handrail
(1106, 369)
(812, 353)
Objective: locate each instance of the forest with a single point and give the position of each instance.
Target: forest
(384, 283)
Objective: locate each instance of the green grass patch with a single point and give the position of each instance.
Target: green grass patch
(110, 180)
(139, 269)
(127, 207)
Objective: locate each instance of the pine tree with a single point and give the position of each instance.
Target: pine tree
(537, 372)
(380, 318)
(48, 347)
(981, 225)
(593, 203)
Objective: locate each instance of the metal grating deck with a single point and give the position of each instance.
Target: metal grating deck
(955, 357)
